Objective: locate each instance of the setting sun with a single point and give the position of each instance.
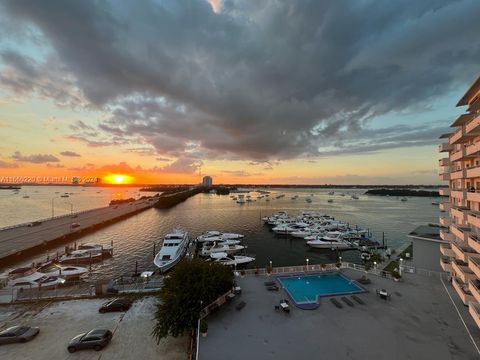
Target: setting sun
(118, 179)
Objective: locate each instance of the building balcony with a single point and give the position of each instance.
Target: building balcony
(473, 127)
(446, 264)
(474, 310)
(473, 218)
(459, 174)
(457, 136)
(446, 235)
(444, 191)
(460, 213)
(472, 149)
(445, 221)
(444, 162)
(445, 147)
(462, 251)
(462, 290)
(445, 206)
(446, 250)
(458, 155)
(458, 194)
(444, 177)
(474, 287)
(473, 172)
(474, 243)
(462, 270)
(473, 196)
(474, 265)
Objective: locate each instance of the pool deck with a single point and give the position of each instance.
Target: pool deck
(419, 322)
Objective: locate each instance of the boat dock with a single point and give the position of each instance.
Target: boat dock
(29, 238)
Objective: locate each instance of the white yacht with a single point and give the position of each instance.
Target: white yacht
(174, 248)
(231, 260)
(66, 272)
(207, 250)
(36, 280)
(80, 257)
(241, 199)
(95, 248)
(333, 240)
(214, 235)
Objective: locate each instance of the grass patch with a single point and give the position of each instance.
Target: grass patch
(390, 267)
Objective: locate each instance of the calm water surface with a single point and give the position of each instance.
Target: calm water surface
(134, 238)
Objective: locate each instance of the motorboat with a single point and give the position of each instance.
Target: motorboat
(96, 248)
(231, 260)
(214, 235)
(65, 196)
(174, 248)
(25, 196)
(80, 257)
(36, 280)
(403, 199)
(354, 197)
(308, 200)
(66, 272)
(329, 243)
(207, 250)
(241, 199)
(331, 193)
(330, 200)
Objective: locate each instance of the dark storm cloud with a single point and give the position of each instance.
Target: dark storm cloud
(35, 158)
(261, 80)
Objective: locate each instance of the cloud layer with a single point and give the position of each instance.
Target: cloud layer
(262, 80)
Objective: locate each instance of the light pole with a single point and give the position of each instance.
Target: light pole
(71, 207)
(340, 259)
(271, 268)
(400, 267)
(375, 265)
(307, 264)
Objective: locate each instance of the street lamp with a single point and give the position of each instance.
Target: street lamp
(307, 263)
(340, 259)
(400, 267)
(374, 264)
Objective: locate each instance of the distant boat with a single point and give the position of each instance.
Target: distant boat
(403, 199)
(308, 200)
(330, 200)
(354, 197)
(25, 196)
(64, 196)
(435, 203)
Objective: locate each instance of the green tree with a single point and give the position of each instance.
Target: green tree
(192, 285)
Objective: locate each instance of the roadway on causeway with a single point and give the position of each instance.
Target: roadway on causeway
(20, 238)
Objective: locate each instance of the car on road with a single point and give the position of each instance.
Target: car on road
(75, 225)
(18, 334)
(95, 339)
(34, 223)
(115, 305)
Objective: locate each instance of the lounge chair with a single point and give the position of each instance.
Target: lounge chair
(364, 280)
(240, 305)
(358, 300)
(273, 288)
(336, 303)
(269, 283)
(347, 301)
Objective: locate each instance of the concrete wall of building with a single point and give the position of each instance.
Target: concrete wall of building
(426, 255)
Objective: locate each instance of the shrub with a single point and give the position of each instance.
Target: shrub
(203, 326)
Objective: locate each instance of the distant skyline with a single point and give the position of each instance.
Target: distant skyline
(267, 92)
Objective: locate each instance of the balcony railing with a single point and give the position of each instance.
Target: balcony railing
(473, 195)
(457, 136)
(460, 212)
(445, 147)
(474, 243)
(461, 250)
(446, 250)
(445, 206)
(446, 235)
(458, 155)
(458, 174)
(473, 172)
(462, 290)
(444, 162)
(474, 287)
(474, 265)
(474, 310)
(473, 127)
(444, 191)
(462, 270)
(445, 221)
(473, 149)
(446, 265)
(473, 219)
(458, 194)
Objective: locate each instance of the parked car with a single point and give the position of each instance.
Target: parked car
(115, 305)
(95, 339)
(18, 334)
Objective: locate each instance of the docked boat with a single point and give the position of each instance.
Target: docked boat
(207, 250)
(308, 200)
(403, 199)
(36, 280)
(328, 243)
(231, 260)
(96, 248)
(354, 197)
(241, 199)
(80, 257)
(66, 272)
(331, 193)
(214, 235)
(174, 248)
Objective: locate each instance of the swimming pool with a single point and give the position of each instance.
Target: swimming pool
(305, 289)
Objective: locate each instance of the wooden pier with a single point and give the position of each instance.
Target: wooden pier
(30, 238)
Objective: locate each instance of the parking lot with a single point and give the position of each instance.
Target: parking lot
(60, 322)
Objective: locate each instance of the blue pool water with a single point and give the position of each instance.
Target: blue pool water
(305, 289)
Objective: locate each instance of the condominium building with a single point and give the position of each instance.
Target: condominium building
(207, 181)
(461, 213)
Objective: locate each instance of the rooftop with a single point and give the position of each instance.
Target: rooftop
(471, 92)
(427, 232)
(419, 322)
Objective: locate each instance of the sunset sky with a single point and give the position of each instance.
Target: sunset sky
(297, 92)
